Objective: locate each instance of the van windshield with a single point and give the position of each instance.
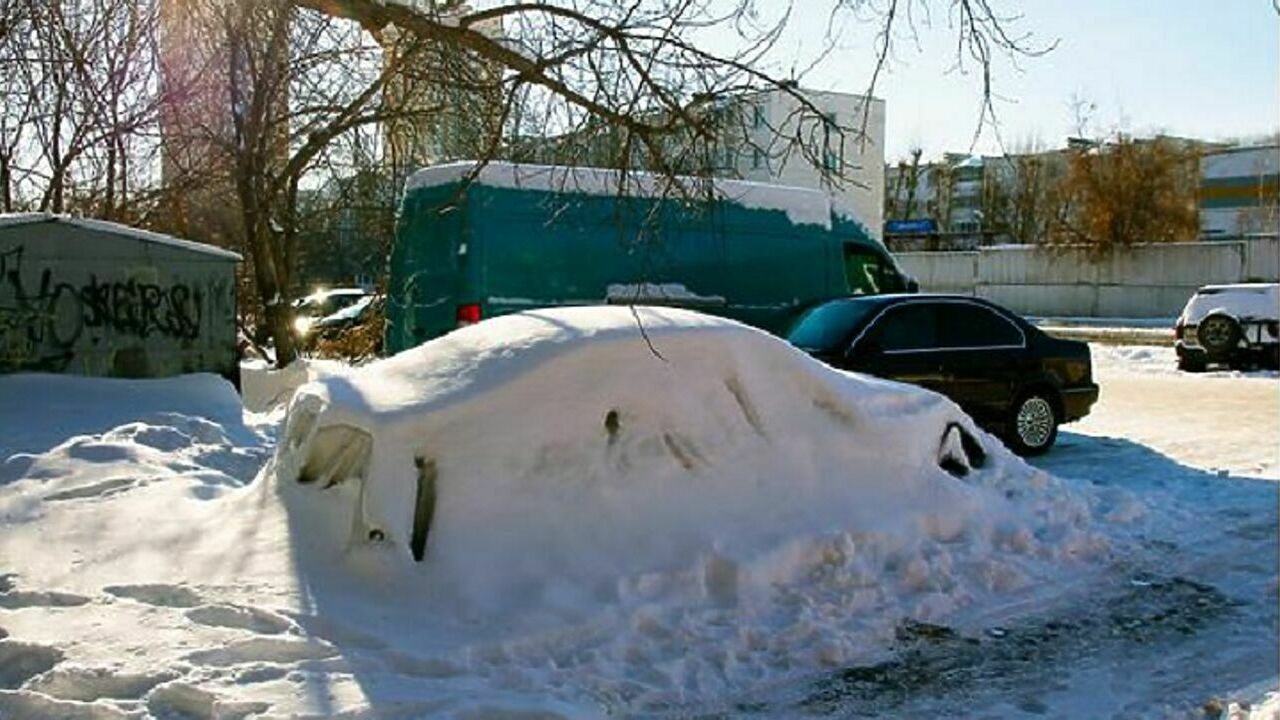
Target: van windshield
(827, 327)
(869, 273)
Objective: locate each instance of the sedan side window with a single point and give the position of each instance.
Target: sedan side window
(965, 325)
(908, 328)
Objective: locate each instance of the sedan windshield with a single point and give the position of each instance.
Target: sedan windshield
(827, 326)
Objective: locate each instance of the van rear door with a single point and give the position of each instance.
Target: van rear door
(426, 266)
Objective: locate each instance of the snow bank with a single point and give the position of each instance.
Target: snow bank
(38, 411)
(615, 528)
(573, 467)
(709, 537)
(75, 437)
(264, 387)
(802, 205)
(1156, 360)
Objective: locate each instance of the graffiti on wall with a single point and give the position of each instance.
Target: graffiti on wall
(44, 318)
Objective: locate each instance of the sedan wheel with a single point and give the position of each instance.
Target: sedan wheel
(1035, 425)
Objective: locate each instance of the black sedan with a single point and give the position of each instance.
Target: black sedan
(1007, 374)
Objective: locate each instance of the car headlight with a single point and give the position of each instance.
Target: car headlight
(303, 325)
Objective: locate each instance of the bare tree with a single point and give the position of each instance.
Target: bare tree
(79, 119)
(254, 101)
(1023, 192)
(903, 200)
(293, 85)
(634, 74)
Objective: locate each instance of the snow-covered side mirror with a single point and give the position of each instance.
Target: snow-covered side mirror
(960, 452)
(300, 427)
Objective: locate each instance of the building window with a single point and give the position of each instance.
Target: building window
(757, 158)
(830, 160)
(724, 158)
(757, 116)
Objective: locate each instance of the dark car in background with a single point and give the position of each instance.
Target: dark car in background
(324, 303)
(1006, 373)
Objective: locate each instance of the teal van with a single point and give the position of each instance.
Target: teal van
(474, 244)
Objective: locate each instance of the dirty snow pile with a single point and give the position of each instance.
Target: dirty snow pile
(609, 521)
(1158, 360)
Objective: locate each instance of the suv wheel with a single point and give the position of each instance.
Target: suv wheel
(1191, 366)
(1218, 333)
(1033, 423)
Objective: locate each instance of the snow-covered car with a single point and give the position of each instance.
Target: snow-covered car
(1235, 325)
(573, 446)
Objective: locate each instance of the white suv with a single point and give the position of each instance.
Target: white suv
(1237, 325)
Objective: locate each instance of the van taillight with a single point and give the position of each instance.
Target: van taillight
(468, 314)
(1177, 331)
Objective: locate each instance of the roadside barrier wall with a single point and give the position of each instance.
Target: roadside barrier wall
(1146, 281)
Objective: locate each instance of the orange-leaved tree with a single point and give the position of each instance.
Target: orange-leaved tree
(1125, 191)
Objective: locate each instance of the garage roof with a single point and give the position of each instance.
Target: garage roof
(9, 220)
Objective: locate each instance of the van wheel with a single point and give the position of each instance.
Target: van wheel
(1033, 423)
(1218, 333)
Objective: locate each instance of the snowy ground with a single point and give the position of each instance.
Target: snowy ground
(1183, 611)
(1188, 619)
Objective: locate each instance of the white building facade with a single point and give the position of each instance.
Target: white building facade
(842, 158)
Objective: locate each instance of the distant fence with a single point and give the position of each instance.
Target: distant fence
(1150, 281)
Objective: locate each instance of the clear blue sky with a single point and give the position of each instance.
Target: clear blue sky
(1199, 68)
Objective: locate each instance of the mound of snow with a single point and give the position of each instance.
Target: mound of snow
(96, 438)
(38, 411)
(561, 460)
(265, 388)
(615, 528)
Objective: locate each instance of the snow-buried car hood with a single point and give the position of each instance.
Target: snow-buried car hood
(576, 461)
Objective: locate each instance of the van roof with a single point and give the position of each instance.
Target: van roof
(803, 206)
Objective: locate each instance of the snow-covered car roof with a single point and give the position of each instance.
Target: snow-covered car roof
(1251, 301)
(348, 313)
(569, 452)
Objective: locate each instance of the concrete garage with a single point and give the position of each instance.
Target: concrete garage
(89, 297)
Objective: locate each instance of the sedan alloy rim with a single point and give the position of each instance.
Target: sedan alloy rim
(1035, 421)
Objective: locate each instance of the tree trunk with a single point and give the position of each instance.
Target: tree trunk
(278, 313)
